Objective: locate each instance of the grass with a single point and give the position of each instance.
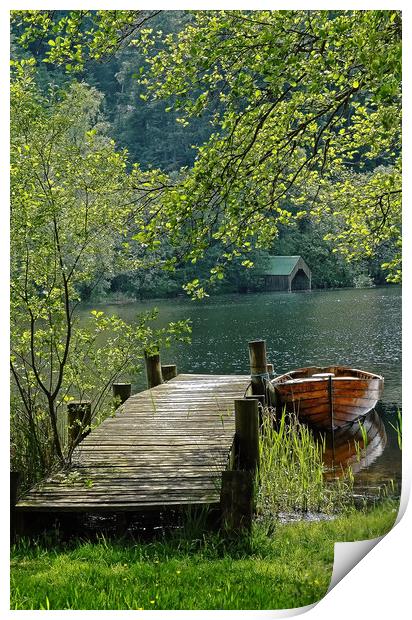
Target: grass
(277, 567)
(291, 476)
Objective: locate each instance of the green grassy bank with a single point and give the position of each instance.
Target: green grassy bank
(289, 567)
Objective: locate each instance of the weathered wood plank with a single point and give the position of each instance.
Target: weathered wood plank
(166, 446)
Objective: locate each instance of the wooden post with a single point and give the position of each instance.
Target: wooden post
(79, 418)
(121, 391)
(237, 500)
(261, 399)
(153, 370)
(247, 434)
(258, 366)
(237, 493)
(169, 371)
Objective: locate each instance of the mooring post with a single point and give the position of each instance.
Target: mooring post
(153, 369)
(270, 368)
(258, 366)
(247, 434)
(121, 392)
(79, 419)
(237, 501)
(169, 371)
(261, 399)
(238, 485)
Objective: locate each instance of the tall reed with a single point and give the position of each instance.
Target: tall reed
(291, 476)
(398, 428)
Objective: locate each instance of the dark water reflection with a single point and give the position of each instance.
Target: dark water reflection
(354, 327)
(357, 445)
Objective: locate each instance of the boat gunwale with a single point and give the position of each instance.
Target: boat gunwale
(313, 393)
(289, 379)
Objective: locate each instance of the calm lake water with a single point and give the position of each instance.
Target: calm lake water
(360, 328)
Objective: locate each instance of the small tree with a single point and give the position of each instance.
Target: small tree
(73, 203)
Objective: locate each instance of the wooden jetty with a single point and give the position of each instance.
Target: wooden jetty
(188, 440)
(166, 446)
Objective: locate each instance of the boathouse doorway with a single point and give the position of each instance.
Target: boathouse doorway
(301, 281)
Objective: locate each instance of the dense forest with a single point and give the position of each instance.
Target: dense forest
(156, 136)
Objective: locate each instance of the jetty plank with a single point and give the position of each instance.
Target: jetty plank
(166, 446)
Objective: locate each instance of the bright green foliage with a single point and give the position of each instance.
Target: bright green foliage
(302, 99)
(148, 131)
(76, 37)
(73, 203)
(369, 208)
(306, 114)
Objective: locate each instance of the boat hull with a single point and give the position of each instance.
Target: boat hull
(328, 401)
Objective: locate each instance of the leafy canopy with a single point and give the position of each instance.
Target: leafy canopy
(73, 38)
(307, 115)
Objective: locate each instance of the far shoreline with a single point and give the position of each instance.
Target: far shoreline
(126, 300)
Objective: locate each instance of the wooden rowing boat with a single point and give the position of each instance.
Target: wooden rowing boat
(328, 397)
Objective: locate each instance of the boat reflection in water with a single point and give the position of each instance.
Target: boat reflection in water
(357, 445)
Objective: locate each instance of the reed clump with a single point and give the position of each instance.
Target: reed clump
(398, 428)
(291, 476)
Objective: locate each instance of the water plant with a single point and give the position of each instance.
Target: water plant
(358, 450)
(398, 428)
(364, 434)
(361, 446)
(291, 476)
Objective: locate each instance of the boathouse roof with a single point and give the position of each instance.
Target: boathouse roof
(280, 265)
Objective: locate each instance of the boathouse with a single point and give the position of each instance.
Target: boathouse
(286, 273)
